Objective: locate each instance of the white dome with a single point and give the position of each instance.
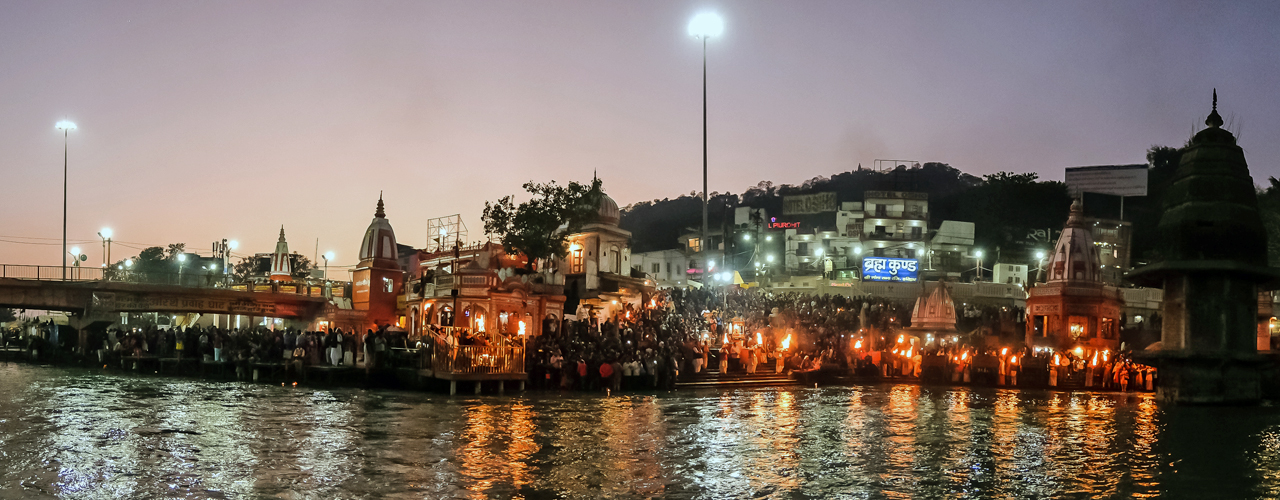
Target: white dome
(379, 239)
(1075, 257)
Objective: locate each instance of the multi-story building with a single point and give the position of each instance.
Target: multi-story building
(885, 224)
(1112, 237)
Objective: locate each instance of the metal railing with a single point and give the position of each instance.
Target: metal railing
(193, 279)
(477, 359)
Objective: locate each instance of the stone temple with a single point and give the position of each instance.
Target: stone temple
(1214, 263)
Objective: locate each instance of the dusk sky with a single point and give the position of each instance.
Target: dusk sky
(207, 120)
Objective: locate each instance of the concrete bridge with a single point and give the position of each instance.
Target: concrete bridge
(96, 298)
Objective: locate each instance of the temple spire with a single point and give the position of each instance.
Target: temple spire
(380, 213)
(1214, 120)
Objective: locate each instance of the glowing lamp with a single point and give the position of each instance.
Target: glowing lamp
(706, 25)
(105, 232)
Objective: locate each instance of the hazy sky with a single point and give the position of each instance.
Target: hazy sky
(207, 120)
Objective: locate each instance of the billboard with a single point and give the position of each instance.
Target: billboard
(1118, 180)
(809, 203)
(889, 269)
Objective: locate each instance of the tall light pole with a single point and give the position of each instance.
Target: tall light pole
(105, 234)
(66, 127)
(704, 26)
(327, 256)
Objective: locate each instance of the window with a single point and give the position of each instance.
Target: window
(575, 261)
(911, 253)
(880, 230)
(695, 245)
(657, 268)
(916, 232)
(388, 285)
(881, 211)
(802, 248)
(878, 252)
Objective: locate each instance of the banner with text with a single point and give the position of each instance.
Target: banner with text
(889, 269)
(809, 203)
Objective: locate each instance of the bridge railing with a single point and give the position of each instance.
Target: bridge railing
(193, 279)
(52, 273)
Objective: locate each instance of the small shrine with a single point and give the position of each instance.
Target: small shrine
(1074, 308)
(281, 270)
(597, 269)
(934, 312)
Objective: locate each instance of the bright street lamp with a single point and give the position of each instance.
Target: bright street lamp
(327, 257)
(66, 127)
(704, 26)
(105, 234)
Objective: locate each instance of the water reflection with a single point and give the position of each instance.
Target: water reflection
(80, 434)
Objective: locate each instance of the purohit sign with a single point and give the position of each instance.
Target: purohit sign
(889, 269)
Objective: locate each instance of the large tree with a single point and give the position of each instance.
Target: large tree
(538, 228)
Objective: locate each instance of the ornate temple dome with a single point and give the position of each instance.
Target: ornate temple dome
(379, 240)
(1075, 257)
(935, 312)
(608, 212)
(281, 270)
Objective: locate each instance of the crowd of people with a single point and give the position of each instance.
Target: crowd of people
(674, 334)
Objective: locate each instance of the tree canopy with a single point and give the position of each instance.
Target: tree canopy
(538, 228)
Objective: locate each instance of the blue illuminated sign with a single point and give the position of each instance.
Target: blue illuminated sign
(889, 269)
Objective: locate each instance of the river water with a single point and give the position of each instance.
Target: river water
(83, 434)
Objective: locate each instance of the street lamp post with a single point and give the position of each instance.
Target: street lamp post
(105, 234)
(182, 259)
(704, 26)
(978, 254)
(76, 257)
(66, 127)
(1039, 264)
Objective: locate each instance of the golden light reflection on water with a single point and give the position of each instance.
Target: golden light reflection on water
(88, 436)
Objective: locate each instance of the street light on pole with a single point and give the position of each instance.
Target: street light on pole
(66, 127)
(105, 234)
(182, 259)
(704, 26)
(978, 255)
(327, 257)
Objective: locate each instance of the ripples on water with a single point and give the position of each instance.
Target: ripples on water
(81, 434)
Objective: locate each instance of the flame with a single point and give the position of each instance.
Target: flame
(1079, 351)
(786, 343)
(1013, 359)
(522, 327)
(857, 345)
(1004, 351)
(1095, 360)
(964, 355)
(759, 338)
(1104, 356)
(909, 352)
(1055, 360)
(900, 337)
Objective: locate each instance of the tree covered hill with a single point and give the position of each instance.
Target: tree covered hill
(1005, 207)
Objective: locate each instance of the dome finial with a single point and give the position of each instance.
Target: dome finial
(1214, 120)
(380, 212)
